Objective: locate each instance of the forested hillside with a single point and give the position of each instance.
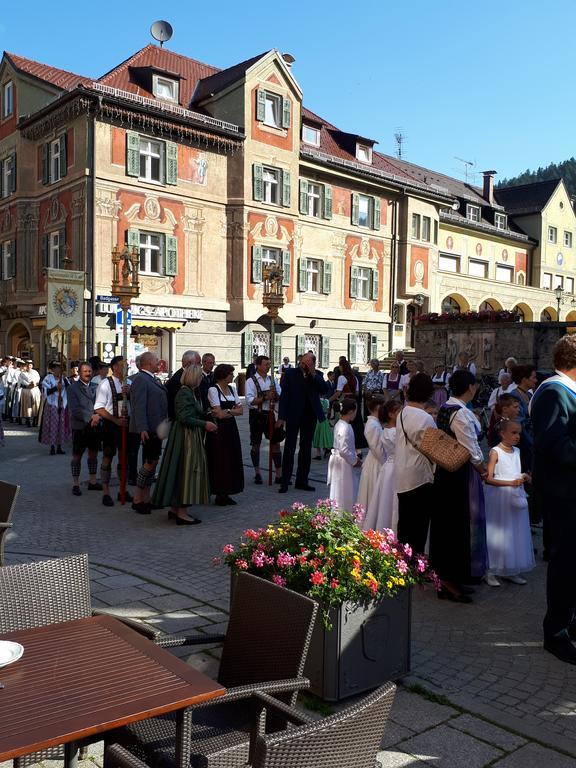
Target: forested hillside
(565, 170)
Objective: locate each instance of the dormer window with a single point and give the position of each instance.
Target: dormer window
(473, 213)
(500, 221)
(363, 153)
(164, 88)
(7, 99)
(311, 135)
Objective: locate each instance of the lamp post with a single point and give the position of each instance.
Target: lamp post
(125, 285)
(273, 301)
(561, 297)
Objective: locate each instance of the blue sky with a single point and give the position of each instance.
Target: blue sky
(490, 82)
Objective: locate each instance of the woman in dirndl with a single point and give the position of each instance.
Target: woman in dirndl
(223, 448)
(458, 550)
(440, 381)
(55, 428)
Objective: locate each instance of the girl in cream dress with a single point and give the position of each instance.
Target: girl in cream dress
(382, 510)
(343, 464)
(375, 458)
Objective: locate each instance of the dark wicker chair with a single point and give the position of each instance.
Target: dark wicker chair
(8, 495)
(350, 738)
(264, 649)
(48, 592)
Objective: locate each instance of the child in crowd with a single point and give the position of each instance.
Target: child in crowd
(508, 536)
(376, 456)
(342, 478)
(323, 438)
(507, 407)
(382, 510)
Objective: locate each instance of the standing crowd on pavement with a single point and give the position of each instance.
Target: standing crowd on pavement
(181, 446)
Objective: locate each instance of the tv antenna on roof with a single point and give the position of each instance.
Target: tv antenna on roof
(468, 164)
(161, 31)
(400, 139)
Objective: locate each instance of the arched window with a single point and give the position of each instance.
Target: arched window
(486, 307)
(545, 316)
(520, 312)
(450, 306)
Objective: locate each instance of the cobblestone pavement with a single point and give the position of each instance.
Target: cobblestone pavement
(482, 692)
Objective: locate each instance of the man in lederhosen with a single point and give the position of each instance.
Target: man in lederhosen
(86, 430)
(108, 405)
(262, 394)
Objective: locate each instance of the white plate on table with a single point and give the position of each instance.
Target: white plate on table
(9, 652)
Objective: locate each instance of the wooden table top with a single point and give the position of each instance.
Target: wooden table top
(83, 677)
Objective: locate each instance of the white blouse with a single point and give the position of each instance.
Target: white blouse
(466, 428)
(344, 445)
(342, 381)
(215, 396)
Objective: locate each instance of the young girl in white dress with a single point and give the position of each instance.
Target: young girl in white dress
(510, 548)
(375, 459)
(342, 474)
(382, 511)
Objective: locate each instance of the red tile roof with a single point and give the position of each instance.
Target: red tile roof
(189, 70)
(60, 78)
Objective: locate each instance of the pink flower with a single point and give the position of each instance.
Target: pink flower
(327, 503)
(259, 558)
(317, 578)
(402, 567)
(280, 580)
(285, 560)
(216, 561)
(319, 521)
(407, 550)
(358, 512)
(228, 549)
(421, 565)
(242, 565)
(298, 506)
(334, 583)
(252, 534)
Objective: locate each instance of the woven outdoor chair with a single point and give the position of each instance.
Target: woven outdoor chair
(350, 738)
(48, 592)
(8, 495)
(264, 649)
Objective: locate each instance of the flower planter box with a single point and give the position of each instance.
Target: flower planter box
(367, 646)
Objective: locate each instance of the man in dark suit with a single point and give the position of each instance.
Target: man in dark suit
(190, 357)
(208, 361)
(148, 409)
(300, 409)
(86, 433)
(553, 413)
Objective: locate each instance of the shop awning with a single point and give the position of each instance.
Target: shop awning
(167, 325)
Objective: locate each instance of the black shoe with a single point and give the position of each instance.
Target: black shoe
(142, 508)
(172, 515)
(304, 487)
(60, 452)
(52, 451)
(94, 486)
(258, 480)
(562, 648)
(230, 501)
(76, 490)
(283, 489)
(221, 501)
(127, 496)
(445, 594)
(187, 520)
(467, 590)
(278, 481)
(107, 500)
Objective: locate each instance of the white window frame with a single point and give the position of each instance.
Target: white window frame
(55, 161)
(473, 213)
(547, 281)
(158, 82)
(147, 152)
(552, 235)
(147, 247)
(362, 347)
(500, 221)
(478, 263)
(567, 239)
(416, 226)
(7, 171)
(8, 99)
(272, 109)
(363, 153)
(570, 285)
(559, 281)
(449, 263)
(426, 228)
(314, 200)
(271, 256)
(504, 269)
(54, 247)
(313, 275)
(314, 138)
(5, 254)
(364, 283)
(369, 201)
(271, 186)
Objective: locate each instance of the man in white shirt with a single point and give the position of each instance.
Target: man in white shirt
(464, 363)
(262, 394)
(109, 406)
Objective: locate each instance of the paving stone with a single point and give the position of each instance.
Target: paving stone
(172, 602)
(487, 732)
(535, 756)
(417, 713)
(394, 733)
(122, 595)
(392, 759)
(450, 748)
(156, 589)
(135, 610)
(177, 623)
(121, 580)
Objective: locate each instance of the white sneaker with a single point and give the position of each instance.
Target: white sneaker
(491, 580)
(515, 579)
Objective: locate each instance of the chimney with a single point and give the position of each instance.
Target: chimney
(488, 189)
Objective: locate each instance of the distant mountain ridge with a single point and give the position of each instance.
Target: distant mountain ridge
(565, 170)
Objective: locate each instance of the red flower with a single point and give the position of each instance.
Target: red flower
(317, 578)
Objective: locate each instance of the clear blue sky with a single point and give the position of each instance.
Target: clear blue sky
(490, 82)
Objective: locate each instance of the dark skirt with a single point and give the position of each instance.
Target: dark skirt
(358, 429)
(458, 526)
(224, 453)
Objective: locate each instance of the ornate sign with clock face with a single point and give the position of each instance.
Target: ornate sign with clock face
(559, 258)
(65, 301)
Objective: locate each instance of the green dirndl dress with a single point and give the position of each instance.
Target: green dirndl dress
(323, 436)
(183, 476)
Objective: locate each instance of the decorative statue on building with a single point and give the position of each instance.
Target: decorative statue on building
(451, 352)
(486, 353)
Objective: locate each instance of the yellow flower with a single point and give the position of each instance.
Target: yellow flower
(401, 582)
(389, 584)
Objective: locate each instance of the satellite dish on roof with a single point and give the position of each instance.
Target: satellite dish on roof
(161, 31)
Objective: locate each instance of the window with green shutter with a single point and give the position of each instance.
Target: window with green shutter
(13, 175)
(352, 343)
(286, 189)
(46, 164)
(374, 285)
(171, 163)
(256, 263)
(376, 217)
(171, 256)
(286, 112)
(327, 278)
(303, 206)
(132, 154)
(300, 344)
(257, 181)
(247, 348)
(327, 202)
(354, 275)
(373, 346)
(302, 275)
(260, 105)
(133, 238)
(277, 349)
(63, 156)
(286, 267)
(325, 352)
(355, 209)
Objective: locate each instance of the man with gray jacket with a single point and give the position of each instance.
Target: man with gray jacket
(86, 432)
(149, 408)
